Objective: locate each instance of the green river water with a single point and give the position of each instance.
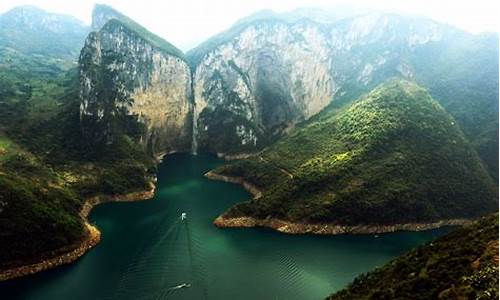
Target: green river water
(147, 250)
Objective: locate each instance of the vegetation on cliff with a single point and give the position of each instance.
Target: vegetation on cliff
(120, 19)
(132, 87)
(46, 169)
(463, 77)
(460, 72)
(393, 156)
(459, 69)
(461, 265)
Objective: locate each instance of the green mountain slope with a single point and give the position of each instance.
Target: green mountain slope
(393, 156)
(460, 72)
(46, 169)
(459, 69)
(30, 30)
(460, 265)
(463, 77)
(46, 172)
(37, 48)
(39, 213)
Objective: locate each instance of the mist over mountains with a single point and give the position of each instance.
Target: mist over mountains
(341, 121)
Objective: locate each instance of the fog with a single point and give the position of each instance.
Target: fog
(188, 22)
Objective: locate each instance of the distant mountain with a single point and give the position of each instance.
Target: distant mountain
(30, 30)
(39, 212)
(326, 15)
(394, 156)
(37, 48)
(270, 71)
(461, 265)
(316, 14)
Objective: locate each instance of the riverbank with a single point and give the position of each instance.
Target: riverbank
(59, 257)
(252, 189)
(330, 228)
(315, 228)
(92, 237)
(230, 157)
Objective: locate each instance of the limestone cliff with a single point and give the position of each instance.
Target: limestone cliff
(267, 73)
(134, 83)
(249, 90)
(248, 86)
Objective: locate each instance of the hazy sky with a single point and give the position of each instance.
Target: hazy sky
(186, 23)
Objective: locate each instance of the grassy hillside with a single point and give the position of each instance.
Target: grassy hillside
(460, 265)
(393, 156)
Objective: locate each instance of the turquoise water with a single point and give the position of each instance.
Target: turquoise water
(147, 250)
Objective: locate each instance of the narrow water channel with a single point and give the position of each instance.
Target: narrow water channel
(149, 252)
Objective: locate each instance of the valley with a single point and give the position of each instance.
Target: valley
(140, 256)
(363, 137)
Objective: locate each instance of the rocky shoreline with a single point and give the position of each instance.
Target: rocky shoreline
(315, 228)
(330, 228)
(71, 253)
(230, 157)
(252, 189)
(58, 257)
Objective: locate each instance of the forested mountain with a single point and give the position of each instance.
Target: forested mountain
(460, 265)
(254, 82)
(32, 31)
(393, 156)
(48, 170)
(36, 49)
(346, 119)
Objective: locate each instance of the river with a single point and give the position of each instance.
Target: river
(147, 250)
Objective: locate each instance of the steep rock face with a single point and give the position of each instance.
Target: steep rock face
(371, 48)
(265, 74)
(128, 84)
(251, 89)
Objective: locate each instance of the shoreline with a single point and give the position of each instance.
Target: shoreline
(230, 157)
(252, 189)
(71, 253)
(289, 227)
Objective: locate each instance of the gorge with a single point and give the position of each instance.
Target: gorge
(139, 258)
(254, 82)
(336, 124)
